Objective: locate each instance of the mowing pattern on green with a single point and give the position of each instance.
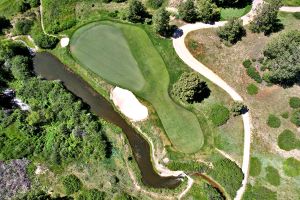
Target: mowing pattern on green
(104, 50)
(181, 125)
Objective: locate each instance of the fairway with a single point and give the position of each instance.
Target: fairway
(125, 56)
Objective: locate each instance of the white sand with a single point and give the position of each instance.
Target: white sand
(128, 104)
(64, 42)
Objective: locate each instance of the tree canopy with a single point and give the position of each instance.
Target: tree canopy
(208, 11)
(282, 58)
(161, 21)
(187, 11)
(45, 41)
(233, 31)
(4, 24)
(136, 11)
(190, 88)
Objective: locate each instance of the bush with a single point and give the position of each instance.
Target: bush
(233, 31)
(34, 3)
(253, 73)
(23, 7)
(23, 26)
(272, 176)
(291, 167)
(273, 121)
(288, 141)
(189, 88)
(155, 3)
(207, 11)
(71, 184)
(295, 118)
(285, 115)
(219, 114)
(238, 108)
(255, 166)
(187, 11)
(45, 41)
(294, 102)
(4, 24)
(247, 63)
(252, 89)
(228, 174)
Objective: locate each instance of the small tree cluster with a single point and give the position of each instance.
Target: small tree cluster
(23, 26)
(265, 19)
(204, 10)
(136, 12)
(189, 88)
(238, 108)
(71, 184)
(161, 21)
(282, 58)
(233, 31)
(20, 67)
(45, 41)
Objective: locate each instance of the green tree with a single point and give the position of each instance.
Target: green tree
(282, 58)
(4, 24)
(265, 19)
(33, 3)
(238, 108)
(187, 11)
(23, 26)
(190, 88)
(208, 12)
(136, 12)
(233, 31)
(72, 184)
(161, 21)
(20, 67)
(155, 3)
(45, 41)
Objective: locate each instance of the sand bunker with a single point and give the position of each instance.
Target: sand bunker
(64, 42)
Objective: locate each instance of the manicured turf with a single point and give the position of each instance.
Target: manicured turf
(111, 55)
(227, 13)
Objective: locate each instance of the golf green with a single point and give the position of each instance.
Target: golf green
(124, 55)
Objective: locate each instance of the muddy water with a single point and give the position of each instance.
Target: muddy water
(50, 68)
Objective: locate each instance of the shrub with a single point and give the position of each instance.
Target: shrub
(285, 115)
(4, 24)
(288, 141)
(155, 3)
(272, 176)
(255, 166)
(253, 73)
(238, 108)
(34, 3)
(189, 88)
(233, 31)
(294, 102)
(207, 11)
(23, 26)
(45, 41)
(291, 167)
(219, 114)
(273, 121)
(71, 184)
(247, 63)
(252, 89)
(161, 21)
(187, 11)
(295, 118)
(23, 7)
(228, 174)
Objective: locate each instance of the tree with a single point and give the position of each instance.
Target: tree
(187, 11)
(20, 67)
(190, 88)
(161, 21)
(155, 3)
(208, 12)
(265, 19)
(23, 7)
(233, 31)
(282, 58)
(23, 26)
(137, 12)
(232, 3)
(238, 108)
(45, 41)
(33, 3)
(4, 24)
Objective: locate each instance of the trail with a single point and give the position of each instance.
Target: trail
(42, 20)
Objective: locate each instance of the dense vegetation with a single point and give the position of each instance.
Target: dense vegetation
(282, 58)
(23, 26)
(287, 140)
(4, 23)
(189, 88)
(45, 41)
(161, 20)
(71, 184)
(232, 31)
(228, 174)
(238, 108)
(137, 11)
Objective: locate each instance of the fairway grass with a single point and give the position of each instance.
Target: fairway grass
(125, 56)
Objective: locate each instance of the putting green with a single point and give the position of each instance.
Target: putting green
(125, 56)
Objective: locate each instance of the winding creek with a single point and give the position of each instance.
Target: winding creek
(50, 68)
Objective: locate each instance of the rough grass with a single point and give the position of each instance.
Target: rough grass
(227, 13)
(291, 2)
(8, 8)
(273, 176)
(181, 126)
(255, 166)
(252, 89)
(219, 115)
